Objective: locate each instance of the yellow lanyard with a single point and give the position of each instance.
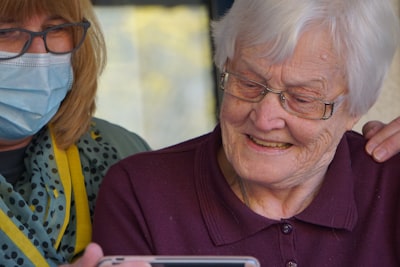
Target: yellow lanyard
(20, 240)
(70, 170)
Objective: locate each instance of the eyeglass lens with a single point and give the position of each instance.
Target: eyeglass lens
(60, 39)
(297, 104)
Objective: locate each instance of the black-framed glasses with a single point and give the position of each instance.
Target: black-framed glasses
(60, 39)
(298, 104)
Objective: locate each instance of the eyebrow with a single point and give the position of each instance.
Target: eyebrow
(317, 85)
(55, 17)
(256, 70)
(7, 20)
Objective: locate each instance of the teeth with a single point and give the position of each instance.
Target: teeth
(270, 144)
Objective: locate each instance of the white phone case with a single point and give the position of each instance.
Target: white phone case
(183, 261)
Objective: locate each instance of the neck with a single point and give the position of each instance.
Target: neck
(269, 200)
(7, 145)
(276, 203)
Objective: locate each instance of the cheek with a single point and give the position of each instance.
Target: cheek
(233, 111)
(229, 119)
(233, 119)
(318, 145)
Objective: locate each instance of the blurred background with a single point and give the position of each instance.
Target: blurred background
(160, 81)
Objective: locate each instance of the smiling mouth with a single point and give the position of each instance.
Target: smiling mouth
(270, 144)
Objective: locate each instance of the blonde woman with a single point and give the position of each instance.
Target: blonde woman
(53, 153)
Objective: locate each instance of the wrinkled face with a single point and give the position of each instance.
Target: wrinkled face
(262, 141)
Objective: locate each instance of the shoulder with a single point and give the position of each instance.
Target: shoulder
(173, 158)
(161, 172)
(376, 185)
(126, 142)
(365, 167)
(356, 142)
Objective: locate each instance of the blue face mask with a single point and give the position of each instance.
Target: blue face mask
(32, 87)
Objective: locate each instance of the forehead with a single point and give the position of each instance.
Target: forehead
(315, 50)
(21, 10)
(314, 60)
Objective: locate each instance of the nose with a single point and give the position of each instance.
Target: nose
(268, 114)
(37, 45)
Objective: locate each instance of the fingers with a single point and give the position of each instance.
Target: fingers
(92, 255)
(371, 128)
(384, 140)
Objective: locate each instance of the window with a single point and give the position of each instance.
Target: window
(159, 81)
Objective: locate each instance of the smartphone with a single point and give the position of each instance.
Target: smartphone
(183, 261)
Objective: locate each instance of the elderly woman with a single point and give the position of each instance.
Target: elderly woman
(282, 177)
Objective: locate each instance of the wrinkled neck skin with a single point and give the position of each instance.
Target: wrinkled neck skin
(8, 145)
(268, 200)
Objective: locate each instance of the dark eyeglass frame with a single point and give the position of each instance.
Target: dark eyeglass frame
(84, 23)
(329, 106)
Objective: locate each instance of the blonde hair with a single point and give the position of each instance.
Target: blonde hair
(73, 118)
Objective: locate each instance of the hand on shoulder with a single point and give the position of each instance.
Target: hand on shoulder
(383, 139)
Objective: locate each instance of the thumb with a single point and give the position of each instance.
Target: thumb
(90, 257)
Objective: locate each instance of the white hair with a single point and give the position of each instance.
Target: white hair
(365, 34)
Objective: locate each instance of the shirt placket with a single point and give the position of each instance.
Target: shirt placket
(287, 243)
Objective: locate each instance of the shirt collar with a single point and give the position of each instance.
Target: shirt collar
(334, 206)
(229, 220)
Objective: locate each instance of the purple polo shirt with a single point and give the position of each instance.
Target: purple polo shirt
(176, 201)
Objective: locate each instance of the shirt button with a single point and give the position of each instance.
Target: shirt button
(291, 264)
(286, 228)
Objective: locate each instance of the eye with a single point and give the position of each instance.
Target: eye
(249, 89)
(247, 84)
(301, 99)
(9, 34)
(56, 28)
(60, 31)
(302, 95)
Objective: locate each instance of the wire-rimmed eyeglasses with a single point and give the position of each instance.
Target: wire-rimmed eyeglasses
(56, 39)
(298, 104)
